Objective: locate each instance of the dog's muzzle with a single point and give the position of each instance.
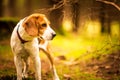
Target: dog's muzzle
(49, 34)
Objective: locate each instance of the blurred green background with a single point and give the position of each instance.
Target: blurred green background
(87, 45)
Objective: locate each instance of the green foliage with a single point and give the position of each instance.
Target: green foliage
(81, 48)
(73, 47)
(5, 49)
(74, 73)
(9, 19)
(78, 46)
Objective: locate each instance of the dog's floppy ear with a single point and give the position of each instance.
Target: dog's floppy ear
(30, 26)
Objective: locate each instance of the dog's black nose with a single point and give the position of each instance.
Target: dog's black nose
(54, 34)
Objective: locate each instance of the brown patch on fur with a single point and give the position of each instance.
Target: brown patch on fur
(41, 41)
(34, 24)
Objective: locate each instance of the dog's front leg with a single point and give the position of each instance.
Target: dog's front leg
(37, 67)
(18, 64)
(50, 57)
(47, 52)
(26, 66)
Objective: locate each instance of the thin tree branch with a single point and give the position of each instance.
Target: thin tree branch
(54, 7)
(111, 3)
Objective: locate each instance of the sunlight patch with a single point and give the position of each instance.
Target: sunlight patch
(93, 28)
(67, 25)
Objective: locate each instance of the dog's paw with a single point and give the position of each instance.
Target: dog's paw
(56, 78)
(24, 75)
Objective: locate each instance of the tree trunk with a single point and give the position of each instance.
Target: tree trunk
(104, 19)
(76, 15)
(56, 16)
(1, 8)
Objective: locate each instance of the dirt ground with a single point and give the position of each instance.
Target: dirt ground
(107, 68)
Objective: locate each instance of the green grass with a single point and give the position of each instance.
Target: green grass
(7, 19)
(73, 47)
(74, 73)
(5, 51)
(76, 46)
(83, 49)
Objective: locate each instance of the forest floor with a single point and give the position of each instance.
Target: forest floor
(107, 69)
(102, 67)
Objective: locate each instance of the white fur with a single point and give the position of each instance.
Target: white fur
(29, 49)
(48, 33)
(23, 51)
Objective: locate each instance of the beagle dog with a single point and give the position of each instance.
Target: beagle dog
(30, 35)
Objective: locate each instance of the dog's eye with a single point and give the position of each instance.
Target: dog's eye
(44, 25)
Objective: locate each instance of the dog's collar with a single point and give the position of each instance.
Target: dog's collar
(22, 40)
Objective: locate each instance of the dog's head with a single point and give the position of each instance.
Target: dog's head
(37, 25)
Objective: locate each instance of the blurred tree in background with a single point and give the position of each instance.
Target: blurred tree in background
(89, 16)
